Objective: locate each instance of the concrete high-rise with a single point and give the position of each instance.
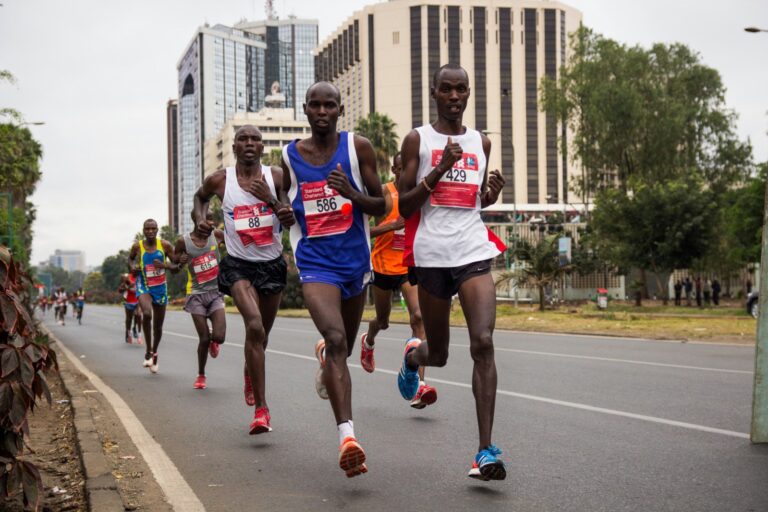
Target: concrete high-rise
(171, 118)
(225, 70)
(383, 57)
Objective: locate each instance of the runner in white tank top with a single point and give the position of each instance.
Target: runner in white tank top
(254, 263)
(443, 186)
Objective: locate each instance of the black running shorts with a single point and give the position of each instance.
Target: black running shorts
(266, 277)
(388, 282)
(444, 282)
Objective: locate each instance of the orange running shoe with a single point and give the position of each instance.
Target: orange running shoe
(426, 395)
(260, 423)
(199, 382)
(352, 457)
(366, 355)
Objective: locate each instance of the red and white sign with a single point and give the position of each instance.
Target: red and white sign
(324, 210)
(155, 276)
(253, 224)
(205, 267)
(458, 187)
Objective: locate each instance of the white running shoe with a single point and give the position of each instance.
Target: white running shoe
(147, 362)
(155, 366)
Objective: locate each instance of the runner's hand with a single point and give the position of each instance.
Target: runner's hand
(398, 224)
(285, 216)
(205, 228)
(158, 263)
(495, 184)
(339, 182)
(260, 189)
(183, 259)
(451, 154)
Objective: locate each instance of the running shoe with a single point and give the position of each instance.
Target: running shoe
(426, 395)
(260, 423)
(366, 355)
(147, 360)
(248, 391)
(128, 338)
(322, 392)
(214, 348)
(135, 333)
(352, 457)
(139, 341)
(199, 382)
(154, 366)
(487, 466)
(407, 378)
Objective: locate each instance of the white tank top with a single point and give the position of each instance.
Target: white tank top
(251, 228)
(447, 230)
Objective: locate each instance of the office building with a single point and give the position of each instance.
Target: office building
(383, 58)
(68, 260)
(172, 137)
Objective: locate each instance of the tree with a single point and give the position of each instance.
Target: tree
(660, 227)
(541, 265)
(113, 268)
(274, 157)
(380, 130)
(640, 116)
(93, 281)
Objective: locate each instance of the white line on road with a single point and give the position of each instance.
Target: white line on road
(525, 396)
(178, 492)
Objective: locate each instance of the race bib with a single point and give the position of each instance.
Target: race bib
(205, 267)
(325, 210)
(398, 240)
(458, 187)
(155, 276)
(253, 224)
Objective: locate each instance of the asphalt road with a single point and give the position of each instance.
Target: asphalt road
(586, 423)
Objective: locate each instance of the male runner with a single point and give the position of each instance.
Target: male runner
(148, 262)
(61, 305)
(389, 274)
(204, 300)
(254, 272)
(79, 299)
(442, 189)
(333, 186)
(127, 289)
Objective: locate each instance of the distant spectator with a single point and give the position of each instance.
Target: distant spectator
(697, 285)
(716, 292)
(749, 286)
(707, 291)
(688, 285)
(678, 292)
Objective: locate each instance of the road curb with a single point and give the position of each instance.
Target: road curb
(100, 484)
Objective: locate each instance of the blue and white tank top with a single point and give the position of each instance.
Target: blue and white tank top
(331, 234)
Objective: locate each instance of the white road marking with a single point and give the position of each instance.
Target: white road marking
(525, 396)
(177, 491)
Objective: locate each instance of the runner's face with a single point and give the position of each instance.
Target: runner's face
(323, 108)
(150, 231)
(451, 94)
(397, 167)
(248, 145)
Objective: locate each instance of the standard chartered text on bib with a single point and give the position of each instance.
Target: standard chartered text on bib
(324, 210)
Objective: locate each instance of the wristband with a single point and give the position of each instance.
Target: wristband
(426, 186)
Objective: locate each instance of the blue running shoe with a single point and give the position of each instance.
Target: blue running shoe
(407, 379)
(487, 466)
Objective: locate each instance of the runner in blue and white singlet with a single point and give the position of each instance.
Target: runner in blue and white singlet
(333, 187)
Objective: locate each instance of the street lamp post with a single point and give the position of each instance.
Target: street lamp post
(759, 428)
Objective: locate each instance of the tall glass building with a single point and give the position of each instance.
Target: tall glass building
(225, 70)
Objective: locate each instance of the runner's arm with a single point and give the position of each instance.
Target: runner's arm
(379, 229)
(132, 258)
(213, 185)
(492, 181)
(282, 208)
(371, 203)
(170, 255)
(219, 234)
(180, 252)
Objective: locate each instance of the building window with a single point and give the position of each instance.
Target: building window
(395, 37)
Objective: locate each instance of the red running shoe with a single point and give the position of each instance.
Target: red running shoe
(214, 348)
(352, 457)
(260, 423)
(248, 391)
(199, 382)
(366, 355)
(426, 395)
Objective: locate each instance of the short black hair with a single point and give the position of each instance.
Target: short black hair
(244, 127)
(452, 66)
(338, 92)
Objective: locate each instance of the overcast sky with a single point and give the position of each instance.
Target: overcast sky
(99, 73)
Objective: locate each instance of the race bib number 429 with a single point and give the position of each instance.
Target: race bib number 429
(458, 187)
(324, 210)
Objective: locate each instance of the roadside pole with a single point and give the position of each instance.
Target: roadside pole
(759, 430)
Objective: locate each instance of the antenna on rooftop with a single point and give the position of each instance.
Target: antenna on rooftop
(269, 8)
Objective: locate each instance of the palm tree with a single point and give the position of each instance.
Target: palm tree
(380, 130)
(542, 266)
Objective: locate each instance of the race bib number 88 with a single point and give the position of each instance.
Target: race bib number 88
(324, 210)
(458, 187)
(253, 224)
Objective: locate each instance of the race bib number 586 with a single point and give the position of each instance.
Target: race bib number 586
(325, 210)
(458, 187)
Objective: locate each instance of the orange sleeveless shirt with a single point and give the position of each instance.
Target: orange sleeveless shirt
(387, 254)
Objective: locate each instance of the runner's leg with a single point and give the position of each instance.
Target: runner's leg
(145, 303)
(435, 313)
(247, 303)
(203, 336)
(382, 301)
(159, 314)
